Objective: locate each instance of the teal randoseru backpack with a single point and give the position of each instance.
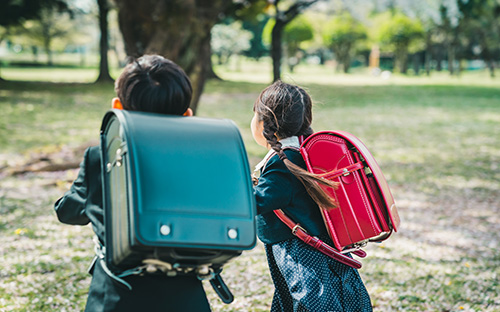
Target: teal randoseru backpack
(178, 194)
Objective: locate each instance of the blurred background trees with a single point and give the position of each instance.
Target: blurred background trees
(403, 36)
(343, 34)
(398, 33)
(228, 40)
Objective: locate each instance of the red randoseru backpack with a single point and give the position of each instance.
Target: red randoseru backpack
(366, 210)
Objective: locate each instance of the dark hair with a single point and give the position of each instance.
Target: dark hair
(286, 110)
(154, 84)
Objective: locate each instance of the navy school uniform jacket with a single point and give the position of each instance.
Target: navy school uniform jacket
(82, 204)
(278, 188)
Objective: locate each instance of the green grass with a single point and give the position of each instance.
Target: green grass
(437, 140)
(37, 115)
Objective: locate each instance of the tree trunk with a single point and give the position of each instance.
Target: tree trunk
(34, 51)
(47, 42)
(48, 50)
(81, 51)
(282, 19)
(321, 55)
(3, 36)
(451, 59)
(338, 66)
(401, 56)
(1, 79)
(200, 72)
(346, 59)
(491, 66)
(427, 62)
(347, 64)
(416, 63)
(213, 75)
(439, 60)
(104, 75)
(428, 53)
(178, 30)
(210, 66)
(276, 48)
(487, 56)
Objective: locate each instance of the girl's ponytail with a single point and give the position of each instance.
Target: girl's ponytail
(286, 111)
(312, 183)
(310, 180)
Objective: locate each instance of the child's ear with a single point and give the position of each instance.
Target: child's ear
(188, 113)
(115, 103)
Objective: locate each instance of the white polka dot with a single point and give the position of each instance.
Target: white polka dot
(307, 280)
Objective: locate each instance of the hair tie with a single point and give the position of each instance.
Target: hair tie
(138, 64)
(282, 155)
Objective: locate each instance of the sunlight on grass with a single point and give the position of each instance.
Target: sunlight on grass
(69, 75)
(38, 114)
(437, 140)
(50, 75)
(247, 70)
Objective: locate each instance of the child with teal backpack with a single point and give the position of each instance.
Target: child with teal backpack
(304, 278)
(149, 84)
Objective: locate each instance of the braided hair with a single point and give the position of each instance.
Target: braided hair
(286, 110)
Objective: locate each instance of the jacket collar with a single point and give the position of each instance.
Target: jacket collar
(286, 142)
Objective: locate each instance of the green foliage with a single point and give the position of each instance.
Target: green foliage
(480, 30)
(343, 29)
(52, 31)
(342, 34)
(46, 114)
(229, 39)
(249, 10)
(49, 26)
(257, 48)
(297, 31)
(400, 31)
(436, 139)
(295, 34)
(14, 12)
(267, 31)
(251, 14)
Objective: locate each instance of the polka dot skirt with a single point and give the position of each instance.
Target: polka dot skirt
(307, 280)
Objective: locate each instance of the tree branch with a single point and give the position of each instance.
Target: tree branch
(296, 9)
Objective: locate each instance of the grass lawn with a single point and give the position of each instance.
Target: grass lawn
(437, 140)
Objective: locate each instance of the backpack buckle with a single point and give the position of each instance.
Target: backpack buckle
(296, 227)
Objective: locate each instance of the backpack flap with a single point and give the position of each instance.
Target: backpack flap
(181, 184)
(366, 207)
(378, 181)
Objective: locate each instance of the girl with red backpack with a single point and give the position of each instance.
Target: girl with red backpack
(304, 278)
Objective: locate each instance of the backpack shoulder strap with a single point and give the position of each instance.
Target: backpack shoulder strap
(317, 243)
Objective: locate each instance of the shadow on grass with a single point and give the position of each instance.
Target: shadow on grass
(437, 145)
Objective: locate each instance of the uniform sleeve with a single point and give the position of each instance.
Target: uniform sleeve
(273, 189)
(70, 208)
